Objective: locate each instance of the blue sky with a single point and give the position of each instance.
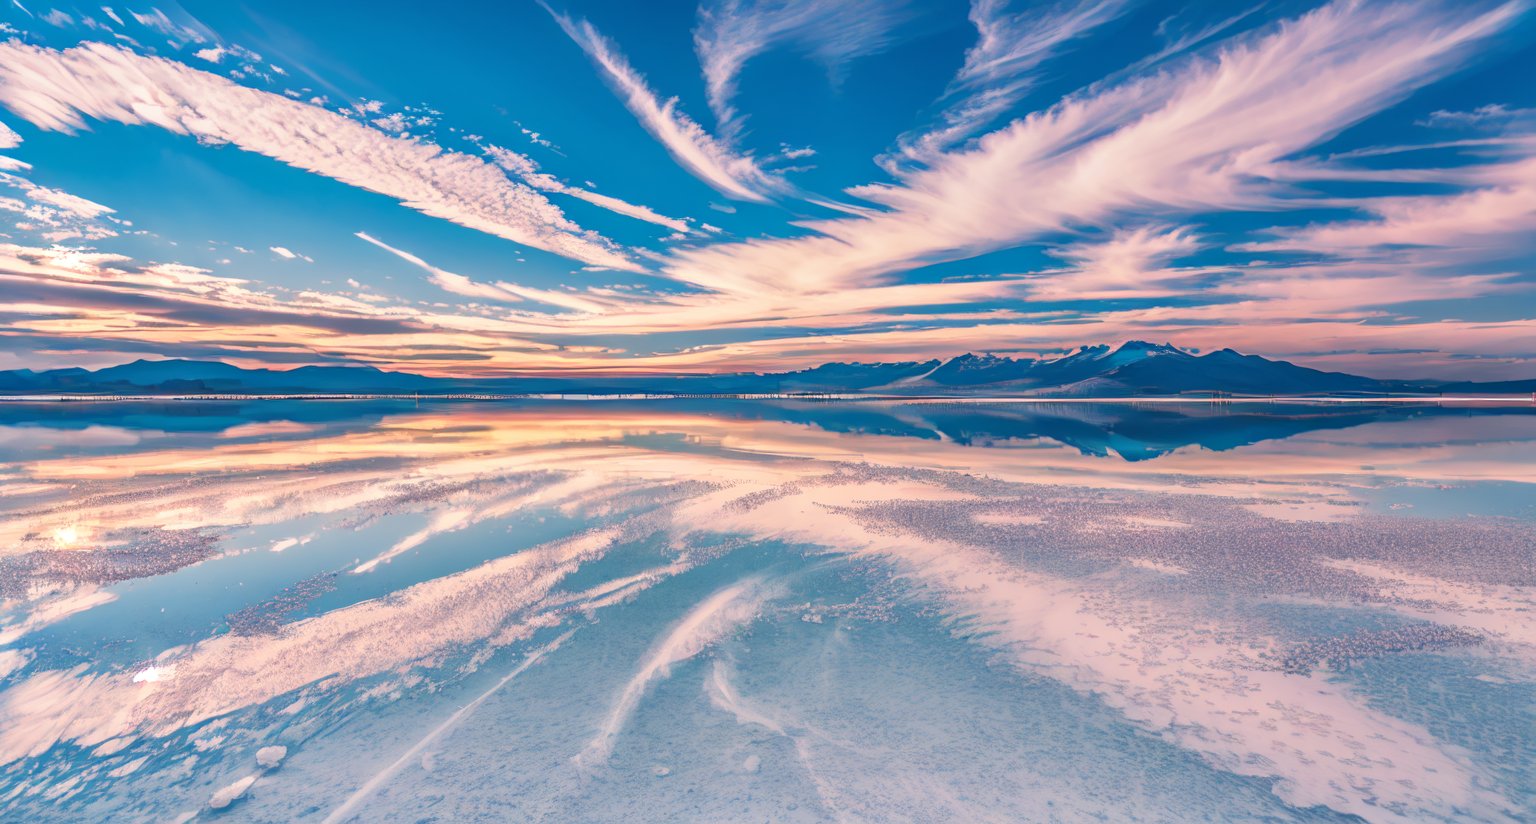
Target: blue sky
(603, 186)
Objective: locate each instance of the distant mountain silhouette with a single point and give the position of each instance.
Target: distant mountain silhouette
(1133, 369)
(191, 377)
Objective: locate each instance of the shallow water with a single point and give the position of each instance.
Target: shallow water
(785, 611)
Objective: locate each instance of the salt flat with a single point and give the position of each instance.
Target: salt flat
(771, 610)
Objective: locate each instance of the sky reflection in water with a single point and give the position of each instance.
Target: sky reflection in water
(793, 611)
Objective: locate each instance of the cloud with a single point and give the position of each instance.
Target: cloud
(443, 279)
(54, 215)
(710, 621)
(1280, 329)
(179, 33)
(229, 794)
(500, 291)
(732, 32)
(1201, 138)
(732, 173)
(86, 301)
(525, 168)
(83, 301)
(999, 70)
(1493, 114)
(1131, 263)
(1486, 223)
(58, 90)
(9, 139)
(1124, 182)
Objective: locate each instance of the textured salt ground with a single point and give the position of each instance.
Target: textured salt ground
(822, 797)
(885, 718)
(830, 690)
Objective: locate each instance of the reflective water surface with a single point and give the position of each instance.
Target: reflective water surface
(786, 611)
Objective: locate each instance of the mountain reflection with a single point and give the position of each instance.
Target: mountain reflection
(722, 610)
(1127, 431)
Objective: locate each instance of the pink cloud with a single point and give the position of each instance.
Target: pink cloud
(732, 173)
(1194, 139)
(58, 90)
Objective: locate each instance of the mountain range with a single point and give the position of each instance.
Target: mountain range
(1133, 369)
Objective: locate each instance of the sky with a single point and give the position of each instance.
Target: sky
(762, 185)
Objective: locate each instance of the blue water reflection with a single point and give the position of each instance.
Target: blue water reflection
(782, 610)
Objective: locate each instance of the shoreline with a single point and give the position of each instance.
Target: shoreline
(1515, 400)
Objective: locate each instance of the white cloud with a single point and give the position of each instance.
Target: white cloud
(1130, 263)
(623, 207)
(1120, 168)
(57, 90)
(9, 139)
(524, 167)
(1000, 68)
(448, 281)
(732, 32)
(732, 173)
(500, 291)
(515, 162)
(1493, 114)
(228, 795)
(1200, 138)
(212, 54)
(534, 137)
(394, 123)
(283, 252)
(179, 34)
(270, 757)
(53, 214)
(71, 204)
(91, 295)
(1499, 219)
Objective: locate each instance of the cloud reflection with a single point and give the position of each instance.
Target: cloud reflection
(1138, 582)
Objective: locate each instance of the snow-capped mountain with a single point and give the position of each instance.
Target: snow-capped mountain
(1132, 369)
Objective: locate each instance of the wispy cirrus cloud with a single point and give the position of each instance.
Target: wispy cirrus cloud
(53, 214)
(1277, 329)
(1126, 183)
(79, 301)
(288, 254)
(714, 161)
(1200, 138)
(500, 291)
(444, 279)
(83, 300)
(525, 168)
(184, 30)
(1000, 69)
(59, 90)
(1132, 263)
(9, 139)
(1490, 222)
(732, 32)
(1490, 115)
